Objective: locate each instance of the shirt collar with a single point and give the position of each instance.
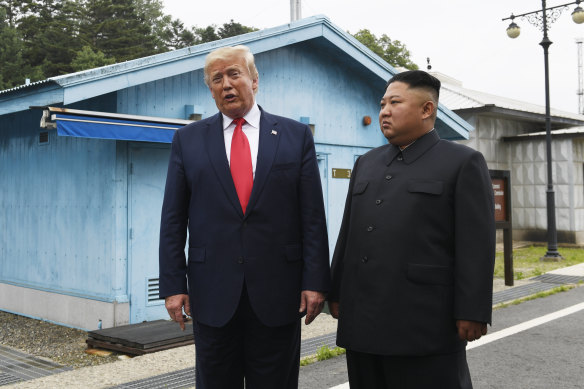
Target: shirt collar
(252, 118)
(415, 149)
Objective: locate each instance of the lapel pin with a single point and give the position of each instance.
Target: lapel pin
(274, 132)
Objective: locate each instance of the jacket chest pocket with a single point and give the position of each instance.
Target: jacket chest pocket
(434, 188)
(359, 188)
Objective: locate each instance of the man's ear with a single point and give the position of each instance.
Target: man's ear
(428, 109)
(255, 83)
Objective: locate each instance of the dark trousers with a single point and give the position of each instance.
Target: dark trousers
(447, 371)
(266, 357)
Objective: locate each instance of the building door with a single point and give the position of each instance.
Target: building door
(322, 167)
(146, 180)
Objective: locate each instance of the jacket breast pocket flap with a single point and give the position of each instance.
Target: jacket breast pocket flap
(430, 187)
(284, 166)
(360, 187)
(293, 252)
(196, 254)
(430, 274)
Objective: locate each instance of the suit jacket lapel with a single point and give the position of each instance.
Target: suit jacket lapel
(268, 145)
(216, 151)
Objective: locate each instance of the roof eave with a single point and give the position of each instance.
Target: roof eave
(43, 94)
(493, 110)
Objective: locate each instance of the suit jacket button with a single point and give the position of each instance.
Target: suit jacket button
(378, 202)
(388, 177)
(369, 229)
(364, 259)
(240, 260)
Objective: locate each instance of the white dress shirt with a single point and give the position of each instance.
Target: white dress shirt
(251, 129)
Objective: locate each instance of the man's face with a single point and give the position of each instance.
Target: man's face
(402, 113)
(232, 87)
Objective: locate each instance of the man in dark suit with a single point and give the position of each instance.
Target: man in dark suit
(412, 270)
(246, 185)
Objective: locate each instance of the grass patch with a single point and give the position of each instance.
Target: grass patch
(538, 295)
(526, 261)
(323, 353)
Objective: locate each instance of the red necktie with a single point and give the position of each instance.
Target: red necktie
(241, 168)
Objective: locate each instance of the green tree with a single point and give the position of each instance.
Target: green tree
(10, 54)
(207, 34)
(176, 36)
(117, 29)
(152, 14)
(212, 33)
(45, 38)
(49, 32)
(233, 29)
(89, 59)
(14, 70)
(393, 52)
(12, 9)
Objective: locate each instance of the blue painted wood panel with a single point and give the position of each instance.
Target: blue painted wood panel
(146, 191)
(58, 203)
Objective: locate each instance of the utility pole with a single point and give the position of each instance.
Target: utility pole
(295, 10)
(580, 78)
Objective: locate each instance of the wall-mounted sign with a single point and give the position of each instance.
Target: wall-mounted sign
(341, 173)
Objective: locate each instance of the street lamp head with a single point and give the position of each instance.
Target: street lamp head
(578, 15)
(513, 30)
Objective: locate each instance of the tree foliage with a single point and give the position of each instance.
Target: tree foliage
(393, 52)
(46, 38)
(89, 59)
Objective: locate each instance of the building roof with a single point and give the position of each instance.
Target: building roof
(74, 87)
(460, 99)
(575, 132)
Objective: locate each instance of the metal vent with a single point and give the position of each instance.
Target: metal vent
(44, 137)
(153, 287)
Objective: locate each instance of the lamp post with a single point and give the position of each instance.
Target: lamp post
(541, 19)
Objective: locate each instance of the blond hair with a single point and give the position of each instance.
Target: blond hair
(228, 52)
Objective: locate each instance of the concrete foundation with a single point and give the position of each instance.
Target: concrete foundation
(63, 309)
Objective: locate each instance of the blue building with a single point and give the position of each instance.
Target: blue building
(81, 195)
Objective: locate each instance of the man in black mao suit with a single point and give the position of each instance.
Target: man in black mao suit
(412, 270)
(249, 193)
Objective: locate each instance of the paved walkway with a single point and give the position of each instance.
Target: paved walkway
(175, 368)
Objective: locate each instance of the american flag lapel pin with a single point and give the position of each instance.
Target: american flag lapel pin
(274, 132)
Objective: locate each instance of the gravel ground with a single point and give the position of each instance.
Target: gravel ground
(63, 345)
(67, 346)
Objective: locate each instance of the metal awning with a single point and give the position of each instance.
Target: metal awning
(105, 125)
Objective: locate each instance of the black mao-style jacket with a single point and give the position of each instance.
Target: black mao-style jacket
(415, 250)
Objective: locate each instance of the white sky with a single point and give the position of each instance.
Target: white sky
(464, 39)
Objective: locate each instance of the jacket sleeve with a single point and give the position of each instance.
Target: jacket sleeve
(339, 254)
(474, 241)
(173, 226)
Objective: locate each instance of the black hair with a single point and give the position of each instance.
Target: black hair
(417, 79)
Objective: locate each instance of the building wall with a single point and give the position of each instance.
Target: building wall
(63, 231)
(578, 174)
(526, 161)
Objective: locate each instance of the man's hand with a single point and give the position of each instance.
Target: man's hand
(470, 330)
(175, 305)
(334, 308)
(312, 303)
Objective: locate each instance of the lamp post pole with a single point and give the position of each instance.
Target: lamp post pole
(513, 30)
(552, 234)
